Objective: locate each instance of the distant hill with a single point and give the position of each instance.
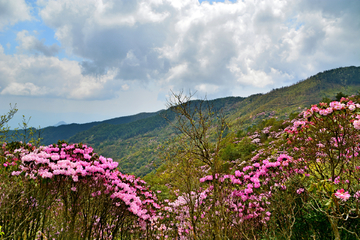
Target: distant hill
(133, 141)
(60, 123)
(52, 134)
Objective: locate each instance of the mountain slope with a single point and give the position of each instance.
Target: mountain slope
(281, 102)
(134, 144)
(52, 134)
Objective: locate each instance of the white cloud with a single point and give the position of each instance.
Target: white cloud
(24, 89)
(40, 75)
(214, 48)
(13, 11)
(29, 43)
(206, 88)
(125, 87)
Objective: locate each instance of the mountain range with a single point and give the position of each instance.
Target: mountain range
(134, 141)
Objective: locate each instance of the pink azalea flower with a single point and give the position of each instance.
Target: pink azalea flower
(308, 113)
(16, 173)
(300, 190)
(352, 107)
(357, 195)
(341, 194)
(356, 124)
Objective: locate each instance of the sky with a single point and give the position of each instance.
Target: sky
(89, 60)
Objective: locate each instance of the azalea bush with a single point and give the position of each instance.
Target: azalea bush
(325, 144)
(66, 191)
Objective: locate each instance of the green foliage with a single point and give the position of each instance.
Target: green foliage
(340, 95)
(4, 119)
(28, 134)
(239, 150)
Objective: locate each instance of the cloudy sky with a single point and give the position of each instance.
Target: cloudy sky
(90, 60)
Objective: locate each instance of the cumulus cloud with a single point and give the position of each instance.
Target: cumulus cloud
(217, 48)
(29, 43)
(23, 89)
(13, 11)
(42, 76)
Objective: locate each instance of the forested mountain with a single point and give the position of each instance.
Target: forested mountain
(134, 144)
(286, 100)
(52, 134)
(134, 141)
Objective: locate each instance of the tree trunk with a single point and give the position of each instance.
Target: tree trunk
(334, 226)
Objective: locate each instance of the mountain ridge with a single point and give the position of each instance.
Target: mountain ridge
(133, 141)
(134, 144)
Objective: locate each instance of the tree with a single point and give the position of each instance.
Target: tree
(4, 119)
(197, 120)
(26, 134)
(202, 128)
(339, 96)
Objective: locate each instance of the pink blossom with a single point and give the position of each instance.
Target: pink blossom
(238, 173)
(357, 195)
(299, 123)
(356, 124)
(352, 107)
(315, 108)
(16, 173)
(235, 181)
(55, 157)
(206, 178)
(284, 157)
(257, 165)
(341, 194)
(308, 113)
(247, 168)
(300, 190)
(336, 105)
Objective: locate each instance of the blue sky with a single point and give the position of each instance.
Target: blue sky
(90, 60)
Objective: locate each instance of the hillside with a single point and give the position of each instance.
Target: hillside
(134, 144)
(283, 101)
(133, 141)
(52, 134)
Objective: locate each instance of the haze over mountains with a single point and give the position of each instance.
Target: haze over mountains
(133, 140)
(59, 123)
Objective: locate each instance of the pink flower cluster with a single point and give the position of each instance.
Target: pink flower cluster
(250, 197)
(341, 194)
(325, 110)
(333, 138)
(182, 214)
(78, 162)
